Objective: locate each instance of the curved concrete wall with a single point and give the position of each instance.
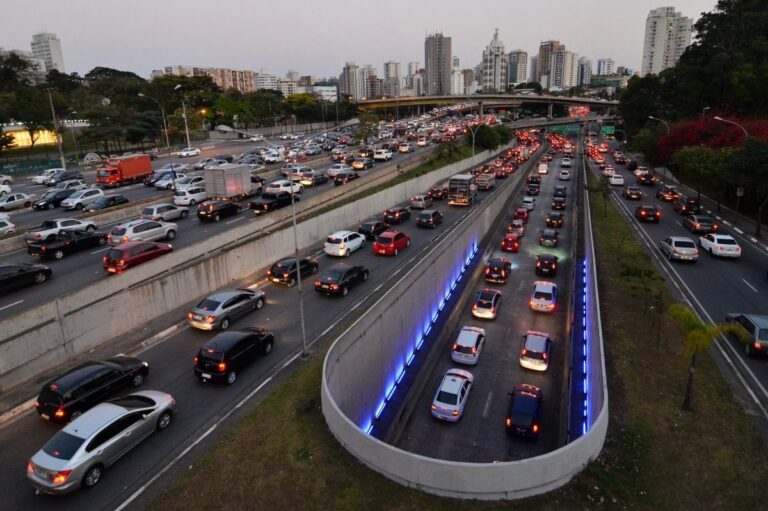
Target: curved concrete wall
(361, 364)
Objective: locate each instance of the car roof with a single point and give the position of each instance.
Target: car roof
(225, 340)
(224, 294)
(468, 335)
(339, 234)
(452, 381)
(67, 381)
(94, 419)
(724, 236)
(536, 341)
(680, 238)
(547, 257)
(760, 320)
(388, 234)
(544, 285)
(134, 223)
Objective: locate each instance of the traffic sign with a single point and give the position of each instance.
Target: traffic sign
(473, 187)
(608, 130)
(562, 128)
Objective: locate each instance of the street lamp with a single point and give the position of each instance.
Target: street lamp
(165, 124)
(184, 113)
(56, 131)
(666, 124)
(746, 134)
(474, 131)
(704, 110)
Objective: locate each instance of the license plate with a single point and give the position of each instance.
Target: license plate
(111, 270)
(205, 375)
(275, 279)
(382, 251)
(325, 286)
(45, 416)
(42, 473)
(197, 317)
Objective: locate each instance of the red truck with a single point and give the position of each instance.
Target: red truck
(124, 170)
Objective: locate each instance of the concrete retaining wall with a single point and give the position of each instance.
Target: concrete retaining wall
(362, 364)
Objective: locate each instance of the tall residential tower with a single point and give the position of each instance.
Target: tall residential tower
(47, 47)
(667, 35)
(438, 64)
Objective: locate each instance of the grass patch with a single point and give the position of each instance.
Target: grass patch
(282, 456)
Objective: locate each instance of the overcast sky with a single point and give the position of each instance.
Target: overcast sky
(318, 37)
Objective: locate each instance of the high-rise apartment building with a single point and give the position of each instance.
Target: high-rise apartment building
(584, 73)
(667, 35)
(354, 81)
(534, 60)
(392, 79)
(413, 68)
(438, 64)
(244, 81)
(605, 66)
(544, 61)
(517, 67)
(494, 75)
(563, 72)
(47, 47)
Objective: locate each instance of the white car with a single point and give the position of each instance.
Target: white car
(189, 151)
(272, 157)
(529, 203)
(721, 245)
(543, 168)
(564, 175)
(283, 185)
(42, 178)
(544, 296)
(4, 190)
(256, 138)
(382, 155)
(337, 168)
(5, 179)
(6, 226)
(468, 346)
(190, 196)
(190, 182)
(163, 211)
(452, 395)
(141, 230)
(166, 183)
(15, 200)
(565, 163)
(534, 354)
(82, 198)
(616, 180)
(170, 167)
(343, 243)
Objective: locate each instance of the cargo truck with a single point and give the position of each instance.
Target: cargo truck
(462, 190)
(230, 182)
(124, 170)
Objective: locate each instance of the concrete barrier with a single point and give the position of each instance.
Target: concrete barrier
(365, 362)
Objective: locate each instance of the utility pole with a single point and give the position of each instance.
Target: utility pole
(56, 131)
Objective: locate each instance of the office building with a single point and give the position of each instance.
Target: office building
(584, 72)
(47, 47)
(325, 92)
(413, 68)
(244, 81)
(437, 58)
(605, 66)
(494, 66)
(544, 61)
(563, 72)
(292, 76)
(353, 81)
(517, 67)
(667, 35)
(534, 60)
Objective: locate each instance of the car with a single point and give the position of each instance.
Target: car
(189, 196)
(558, 203)
(52, 199)
(549, 238)
(497, 270)
(543, 296)
(534, 179)
(295, 156)
(339, 278)
(422, 201)
(50, 228)
(452, 395)
(313, 178)
(521, 214)
(700, 224)
(397, 215)
(546, 265)
(14, 276)
(81, 198)
(535, 352)
(687, 206)
(42, 177)
(555, 219)
(648, 213)
(164, 212)
(221, 358)
(343, 243)
(71, 184)
(284, 185)
(77, 455)
(272, 201)
(271, 157)
(524, 411)
(133, 253)
(382, 155)
(142, 230)
(561, 191)
(256, 138)
(105, 202)
(64, 176)
(755, 332)
(533, 189)
(372, 229)
(6, 226)
(345, 177)
(646, 180)
(362, 164)
(286, 271)
(565, 163)
(337, 168)
(517, 226)
(214, 211)
(65, 242)
(391, 243)
(529, 203)
(616, 180)
(188, 152)
(607, 171)
(15, 200)
(406, 148)
(679, 248)
(543, 169)
(218, 310)
(190, 182)
(468, 345)
(168, 182)
(486, 304)
(67, 396)
(510, 242)
(313, 150)
(632, 192)
(667, 193)
(721, 245)
(429, 218)
(564, 175)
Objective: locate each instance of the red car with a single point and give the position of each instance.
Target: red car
(511, 242)
(391, 243)
(298, 158)
(133, 253)
(518, 227)
(521, 214)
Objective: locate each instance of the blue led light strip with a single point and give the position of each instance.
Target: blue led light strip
(585, 349)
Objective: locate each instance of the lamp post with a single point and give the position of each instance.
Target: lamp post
(165, 124)
(56, 131)
(474, 131)
(184, 113)
(746, 134)
(704, 110)
(666, 124)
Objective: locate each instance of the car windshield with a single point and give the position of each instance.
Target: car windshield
(208, 305)
(148, 211)
(50, 195)
(542, 295)
(484, 304)
(114, 254)
(521, 419)
(762, 334)
(447, 397)
(180, 193)
(383, 240)
(726, 241)
(333, 240)
(63, 445)
(133, 401)
(332, 275)
(685, 244)
(118, 231)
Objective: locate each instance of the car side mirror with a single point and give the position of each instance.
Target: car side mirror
(144, 416)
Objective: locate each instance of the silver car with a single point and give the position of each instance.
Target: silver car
(221, 308)
(164, 212)
(15, 200)
(77, 455)
(421, 201)
(679, 248)
(141, 230)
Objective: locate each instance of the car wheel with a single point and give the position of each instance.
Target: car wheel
(137, 380)
(267, 349)
(217, 218)
(184, 214)
(40, 277)
(92, 476)
(59, 254)
(260, 304)
(169, 187)
(90, 228)
(314, 269)
(291, 282)
(164, 420)
(748, 349)
(192, 202)
(301, 189)
(171, 235)
(365, 276)
(344, 291)
(224, 324)
(231, 377)
(102, 241)
(2, 194)
(396, 252)
(51, 205)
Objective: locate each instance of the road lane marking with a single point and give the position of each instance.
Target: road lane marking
(726, 222)
(750, 285)
(487, 407)
(738, 230)
(10, 305)
(101, 250)
(235, 220)
(719, 218)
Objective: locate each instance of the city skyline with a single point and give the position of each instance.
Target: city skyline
(80, 27)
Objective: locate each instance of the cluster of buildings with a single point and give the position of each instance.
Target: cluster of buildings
(45, 55)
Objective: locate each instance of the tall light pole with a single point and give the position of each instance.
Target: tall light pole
(184, 113)
(474, 131)
(746, 134)
(165, 124)
(666, 124)
(56, 131)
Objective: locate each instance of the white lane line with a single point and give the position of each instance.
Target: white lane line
(235, 220)
(487, 407)
(738, 230)
(719, 218)
(708, 211)
(10, 305)
(101, 250)
(726, 222)
(750, 285)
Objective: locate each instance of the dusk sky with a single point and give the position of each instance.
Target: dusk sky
(317, 38)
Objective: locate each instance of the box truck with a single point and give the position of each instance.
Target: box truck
(124, 170)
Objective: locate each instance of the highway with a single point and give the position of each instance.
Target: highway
(202, 406)
(480, 436)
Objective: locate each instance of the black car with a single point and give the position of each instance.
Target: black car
(344, 177)
(362, 164)
(555, 219)
(52, 199)
(524, 412)
(365, 152)
(223, 356)
(561, 191)
(226, 157)
(67, 175)
(497, 270)
(67, 396)
(667, 193)
(285, 270)
(105, 202)
(213, 211)
(429, 218)
(687, 206)
(647, 213)
(13, 276)
(533, 189)
(700, 224)
(646, 180)
(549, 238)
(372, 229)
(546, 265)
(64, 242)
(339, 278)
(631, 165)
(534, 179)
(558, 203)
(632, 192)
(438, 193)
(397, 215)
(270, 201)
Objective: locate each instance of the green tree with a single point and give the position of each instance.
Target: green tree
(447, 150)
(305, 107)
(647, 143)
(485, 137)
(698, 337)
(700, 165)
(15, 72)
(749, 168)
(30, 107)
(505, 134)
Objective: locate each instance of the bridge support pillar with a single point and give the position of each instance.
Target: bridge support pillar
(480, 108)
(549, 111)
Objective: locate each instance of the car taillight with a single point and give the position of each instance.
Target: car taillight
(544, 356)
(125, 239)
(334, 286)
(474, 307)
(61, 476)
(269, 272)
(455, 413)
(535, 428)
(195, 362)
(509, 422)
(434, 407)
(487, 271)
(318, 283)
(222, 367)
(210, 319)
(60, 413)
(342, 246)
